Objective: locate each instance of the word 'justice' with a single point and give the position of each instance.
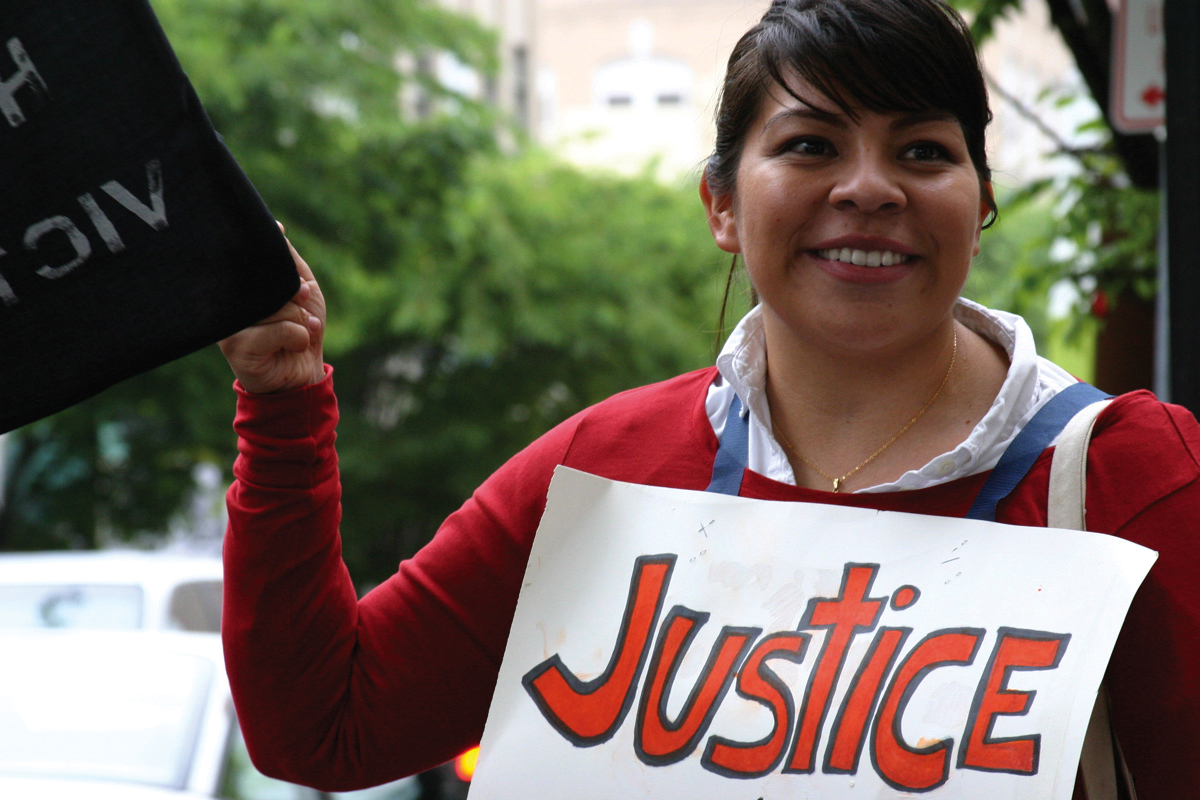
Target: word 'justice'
(874, 700)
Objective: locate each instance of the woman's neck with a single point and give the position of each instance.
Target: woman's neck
(833, 411)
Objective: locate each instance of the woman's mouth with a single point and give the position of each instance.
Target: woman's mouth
(864, 258)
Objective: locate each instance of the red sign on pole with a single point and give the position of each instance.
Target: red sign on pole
(1139, 95)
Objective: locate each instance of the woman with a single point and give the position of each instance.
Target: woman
(850, 175)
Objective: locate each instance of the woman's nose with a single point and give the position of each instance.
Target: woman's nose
(867, 184)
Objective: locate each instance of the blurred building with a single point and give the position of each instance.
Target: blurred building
(611, 84)
(620, 84)
(511, 89)
(624, 82)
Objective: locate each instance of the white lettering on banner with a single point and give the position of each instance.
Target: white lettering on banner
(153, 214)
(27, 76)
(671, 643)
(83, 248)
(6, 292)
(104, 226)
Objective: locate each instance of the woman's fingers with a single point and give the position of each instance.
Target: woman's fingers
(284, 350)
(292, 311)
(302, 267)
(254, 347)
(309, 296)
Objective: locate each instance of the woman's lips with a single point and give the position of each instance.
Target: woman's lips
(857, 265)
(864, 258)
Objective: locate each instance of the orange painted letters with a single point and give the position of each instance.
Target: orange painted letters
(659, 740)
(851, 612)
(757, 682)
(900, 765)
(590, 712)
(1015, 650)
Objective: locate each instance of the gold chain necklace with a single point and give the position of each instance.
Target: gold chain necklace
(837, 482)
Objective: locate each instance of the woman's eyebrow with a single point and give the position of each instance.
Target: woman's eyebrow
(921, 117)
(808, 113)
(840, 120)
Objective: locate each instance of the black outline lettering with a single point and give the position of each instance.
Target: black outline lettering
(1035, 739)
(584, 688)
(944, 746)
(694, 620)
(876, 693)
(916, 596)
(771, 646)
(806, 623)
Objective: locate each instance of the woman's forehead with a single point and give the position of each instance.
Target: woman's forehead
(803, 101)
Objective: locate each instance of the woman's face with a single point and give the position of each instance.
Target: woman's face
(857, 235)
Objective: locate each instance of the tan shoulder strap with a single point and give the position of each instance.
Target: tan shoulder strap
(1068, 470)
(1101, 762)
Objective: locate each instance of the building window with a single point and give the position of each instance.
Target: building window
(643, 80)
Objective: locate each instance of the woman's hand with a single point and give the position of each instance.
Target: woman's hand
(284, 350)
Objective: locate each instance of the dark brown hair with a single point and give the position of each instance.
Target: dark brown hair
(882, 55)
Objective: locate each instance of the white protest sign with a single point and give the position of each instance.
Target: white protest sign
(671, 643)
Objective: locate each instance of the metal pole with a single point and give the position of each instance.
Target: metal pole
(3, 467)
(1162, 305)
(1182, 196)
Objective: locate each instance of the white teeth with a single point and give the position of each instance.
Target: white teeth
(864, 258)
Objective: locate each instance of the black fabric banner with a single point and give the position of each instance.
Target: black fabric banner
(129, 236)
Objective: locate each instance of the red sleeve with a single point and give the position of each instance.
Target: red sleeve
(1154, 674)
(1143, 484)
(341, 694)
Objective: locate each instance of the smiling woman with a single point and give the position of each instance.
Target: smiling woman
(850, 176)
(857, 229)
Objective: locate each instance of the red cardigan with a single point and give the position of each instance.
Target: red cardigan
(340, 694)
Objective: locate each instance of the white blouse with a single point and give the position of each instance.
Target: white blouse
(1031, 382)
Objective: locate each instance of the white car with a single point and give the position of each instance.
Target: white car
(90, 715)
(85, 644)
(110, 590)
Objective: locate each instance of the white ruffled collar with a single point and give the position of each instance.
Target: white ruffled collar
(1031, 382)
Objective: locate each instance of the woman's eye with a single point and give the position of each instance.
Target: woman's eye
(927, 151)
(809, 146)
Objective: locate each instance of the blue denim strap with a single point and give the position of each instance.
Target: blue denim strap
(1033, 439)
(1014, 464)
(733, 453)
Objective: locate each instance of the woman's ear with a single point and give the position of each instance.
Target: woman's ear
(986, 204)
(721, 219)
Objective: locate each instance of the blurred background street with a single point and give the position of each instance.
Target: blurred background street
(499, 199)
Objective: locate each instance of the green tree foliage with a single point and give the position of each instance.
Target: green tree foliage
(119, 464)
(551, 290)
(1094, 226)
(476, 297)
(305, 94)
(1086, 28)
